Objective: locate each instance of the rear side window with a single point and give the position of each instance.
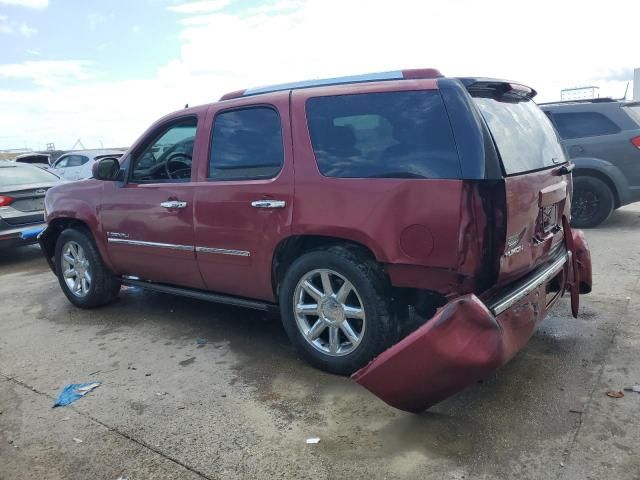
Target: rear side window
(246, 144)
(583, 124)
(383, 135)
(524, 136)
(633, 111)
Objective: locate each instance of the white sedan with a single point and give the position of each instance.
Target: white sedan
(78, 165)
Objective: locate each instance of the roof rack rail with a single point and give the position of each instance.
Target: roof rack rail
(582, 100)
(367, 77)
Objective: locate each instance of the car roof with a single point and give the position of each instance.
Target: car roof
(93, 153)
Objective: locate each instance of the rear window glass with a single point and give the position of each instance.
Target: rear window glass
(246, 144)
(524, 136)
(634, 112)
(583, 124)
(383, 135)
(22, 175)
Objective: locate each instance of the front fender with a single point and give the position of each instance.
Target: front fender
(76, 202)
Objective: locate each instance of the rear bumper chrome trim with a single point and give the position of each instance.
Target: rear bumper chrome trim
(519, 291)
(140, 243)
(223, 251)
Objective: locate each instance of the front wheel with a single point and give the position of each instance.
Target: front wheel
(592, 202)
(85, 279)
(335, 306)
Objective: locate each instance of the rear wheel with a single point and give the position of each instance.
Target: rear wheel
(335, 306)
(83, 276)
(592, 202)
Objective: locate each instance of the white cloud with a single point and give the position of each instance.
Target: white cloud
(37, 4)
(289, 40)
(201, 6)
(11, 27)
(48, 73)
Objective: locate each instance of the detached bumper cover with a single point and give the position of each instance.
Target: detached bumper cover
(23, 235)
(468, 340)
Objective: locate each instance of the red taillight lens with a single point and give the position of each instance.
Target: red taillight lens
(636, 141)
(5, 200)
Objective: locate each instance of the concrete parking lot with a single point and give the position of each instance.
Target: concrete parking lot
(242, 404)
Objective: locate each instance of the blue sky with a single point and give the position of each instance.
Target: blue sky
(102, 71)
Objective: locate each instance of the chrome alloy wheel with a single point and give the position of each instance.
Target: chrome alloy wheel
(329, 312)
(76, 269)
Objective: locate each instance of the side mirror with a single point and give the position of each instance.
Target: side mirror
(106, 169)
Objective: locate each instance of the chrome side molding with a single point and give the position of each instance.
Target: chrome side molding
(223, 251)
(140, 243)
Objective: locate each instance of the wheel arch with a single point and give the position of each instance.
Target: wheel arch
(292, 247)
(608, 173)
(54, 228)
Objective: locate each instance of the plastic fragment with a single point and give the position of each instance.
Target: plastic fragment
(73, 392)
(77, 440)
(634, 388)
(313, 440)
(201, 341)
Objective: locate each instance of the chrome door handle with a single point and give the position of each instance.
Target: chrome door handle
(174, 204)
(268, 204)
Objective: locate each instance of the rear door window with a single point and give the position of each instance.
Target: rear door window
(383, 135)
(246, 144)
(583, 124)
(523, 135)
(633, 111)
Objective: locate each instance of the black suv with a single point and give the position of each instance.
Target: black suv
(602, 137)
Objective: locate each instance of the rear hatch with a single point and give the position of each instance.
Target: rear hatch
(536, 177)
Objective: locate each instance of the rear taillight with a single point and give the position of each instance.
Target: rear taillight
(636, 142)
(5, 200)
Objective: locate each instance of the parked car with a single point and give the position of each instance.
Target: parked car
(602, 137)
(41, 160)
(22, 191)
(368, 209)
(78, 165)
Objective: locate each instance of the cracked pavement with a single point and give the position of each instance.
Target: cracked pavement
(242, 404)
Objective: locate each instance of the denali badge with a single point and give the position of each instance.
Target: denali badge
(513, 244)
(117, 235)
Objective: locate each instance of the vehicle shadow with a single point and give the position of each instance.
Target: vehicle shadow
(22, 259)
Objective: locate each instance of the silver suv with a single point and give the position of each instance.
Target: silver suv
(602, 138)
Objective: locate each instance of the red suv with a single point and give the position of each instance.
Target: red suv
(411, 228)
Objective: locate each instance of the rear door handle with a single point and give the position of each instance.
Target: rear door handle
(269, 204)
(174, 204)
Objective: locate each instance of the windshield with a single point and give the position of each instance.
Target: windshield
(524, 136)
(23, 175)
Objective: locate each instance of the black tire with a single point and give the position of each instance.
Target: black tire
(592, 202)
(103, 286)
(371, 290)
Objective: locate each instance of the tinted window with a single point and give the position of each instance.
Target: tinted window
(169, 157)
(384, 135)
(76, 160)
(583, 124)
(24, 175)
(523, 135)
(246, 144)
(62, 163)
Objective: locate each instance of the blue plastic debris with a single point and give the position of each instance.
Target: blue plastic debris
(73, 392)
(201, 341)
(30, 233)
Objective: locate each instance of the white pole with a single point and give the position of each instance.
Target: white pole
(636, 84)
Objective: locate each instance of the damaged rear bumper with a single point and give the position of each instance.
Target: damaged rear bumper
(468, 339)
